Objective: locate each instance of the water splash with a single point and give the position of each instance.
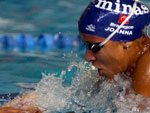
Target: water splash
(88, 92)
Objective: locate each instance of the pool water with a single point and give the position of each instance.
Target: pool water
(36, 17)
(60, 94)
(55, 96)
(19, 67)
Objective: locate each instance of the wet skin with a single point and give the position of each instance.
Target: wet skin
(20, 106)
(117, 57)
(15, 110)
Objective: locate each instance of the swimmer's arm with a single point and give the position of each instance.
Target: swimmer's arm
(16, 110)
(141, 76)
(21, 101)
(20, 105)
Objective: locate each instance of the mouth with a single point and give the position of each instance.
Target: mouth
(100, 72)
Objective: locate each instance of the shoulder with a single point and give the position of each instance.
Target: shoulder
(144, 61)
(141, 75)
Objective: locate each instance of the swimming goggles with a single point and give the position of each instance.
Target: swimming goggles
(94, 47)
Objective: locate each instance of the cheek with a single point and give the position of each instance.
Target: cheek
(104, 58)
(110, 54)
(108, 62)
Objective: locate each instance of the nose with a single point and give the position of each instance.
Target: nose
(89, 56)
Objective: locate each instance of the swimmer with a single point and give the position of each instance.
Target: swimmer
(113, 32)
(113, 50)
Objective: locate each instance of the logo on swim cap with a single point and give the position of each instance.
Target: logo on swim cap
(122, 18)
(90, 28)
(102, 17)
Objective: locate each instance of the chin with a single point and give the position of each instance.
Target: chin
(107, 74)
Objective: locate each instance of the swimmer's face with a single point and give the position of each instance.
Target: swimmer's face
(111, 59)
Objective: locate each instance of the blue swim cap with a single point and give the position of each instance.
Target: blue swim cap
(102, 17)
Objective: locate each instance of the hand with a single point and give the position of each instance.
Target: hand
(16, 110)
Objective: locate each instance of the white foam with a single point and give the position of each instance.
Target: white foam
(85, 95)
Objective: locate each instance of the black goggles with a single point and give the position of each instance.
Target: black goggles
(94, 47)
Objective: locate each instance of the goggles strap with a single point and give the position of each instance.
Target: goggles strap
(112, 34)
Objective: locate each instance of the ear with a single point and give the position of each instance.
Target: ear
(127, 45)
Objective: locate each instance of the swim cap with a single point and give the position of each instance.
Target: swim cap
(102, 17)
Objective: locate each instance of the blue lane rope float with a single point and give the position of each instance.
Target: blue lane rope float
(44, 42)
(25, 43)
(7, 42)
(63, 41)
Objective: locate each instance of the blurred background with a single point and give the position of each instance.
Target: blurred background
(40, 16)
